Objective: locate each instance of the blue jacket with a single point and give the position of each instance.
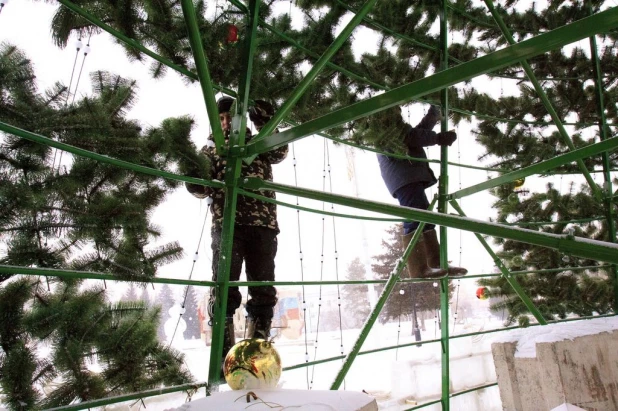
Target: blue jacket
(397, 173)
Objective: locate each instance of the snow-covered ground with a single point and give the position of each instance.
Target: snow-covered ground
(399, 379)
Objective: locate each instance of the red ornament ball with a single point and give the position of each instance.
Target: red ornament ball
(232, 34)
(481, 293)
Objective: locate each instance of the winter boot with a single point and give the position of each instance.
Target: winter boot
(417, 260)
(433, 254)
(258, 328)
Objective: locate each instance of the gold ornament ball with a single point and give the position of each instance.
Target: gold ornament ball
(519, 182)
(252, 364)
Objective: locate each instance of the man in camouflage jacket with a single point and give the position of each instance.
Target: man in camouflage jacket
(255, 229)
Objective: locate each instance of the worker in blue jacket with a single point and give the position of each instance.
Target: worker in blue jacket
(407, 180)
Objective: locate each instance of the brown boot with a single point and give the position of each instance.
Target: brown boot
(417, 260)
(433, 254)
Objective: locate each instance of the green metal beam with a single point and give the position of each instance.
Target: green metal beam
(575, 31)
(415, 343)
(232, 175)
(313, 73)
(93, 275)
(588, 151)
(442, 208)
(373, 316)
(595, 250)
(508, 276)
(128, 397)
(604, 133)
(201, 64)
(309, 52)
(37, 138)
(378, 86)
(566, 139)
(74, 274)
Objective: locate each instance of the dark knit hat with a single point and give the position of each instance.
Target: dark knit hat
(224, 104)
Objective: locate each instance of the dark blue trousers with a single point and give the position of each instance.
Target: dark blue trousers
(413, 196)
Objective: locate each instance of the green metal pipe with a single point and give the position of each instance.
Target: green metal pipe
(135, 396)
(74, 274)
(373, 316)
(232, 176)
(595, 250)
(572, 32)
(566, 139)
(588, 151)
(240, 6)
(313, 73)
(416, 343)
(541, 223)
(61, 273)
(372, 23)
(425, 404)
(201, 64)
(317, 211)
(506, 273)
(480, 387)
(364, 80)
(378, 86)
(309, 52)
(445, 362)
(223, 273)
(249, 45)
(7, 128)
(604, 134)
(518, 121)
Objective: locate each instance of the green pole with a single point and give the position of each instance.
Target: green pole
(37, 138)
(595, 250)
(577, 30)
(128, 397)
(373, 316)
(442, 208)
(587, 151)
(313, 73)
(232, 175)
(201, 64)
(604, 134)
(543, 96)
(508, 276)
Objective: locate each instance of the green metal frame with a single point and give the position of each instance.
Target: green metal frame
(515, 53)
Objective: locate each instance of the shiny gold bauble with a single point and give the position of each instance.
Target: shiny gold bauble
(519, 182)
(252, 364)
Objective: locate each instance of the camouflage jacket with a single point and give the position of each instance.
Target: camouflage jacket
(249, 211)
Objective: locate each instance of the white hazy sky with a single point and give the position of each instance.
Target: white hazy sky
(27, 24)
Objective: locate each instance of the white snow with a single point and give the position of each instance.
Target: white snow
(528, 338)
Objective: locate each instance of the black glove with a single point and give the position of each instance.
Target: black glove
(446, 138)
(261, 112)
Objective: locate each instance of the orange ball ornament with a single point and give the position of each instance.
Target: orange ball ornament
(481, 293)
